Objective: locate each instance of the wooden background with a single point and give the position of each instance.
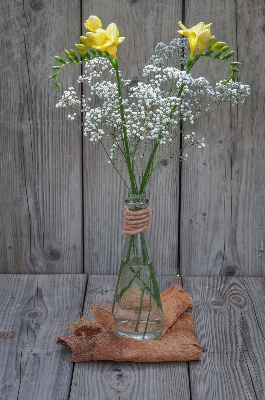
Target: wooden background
(60, 202)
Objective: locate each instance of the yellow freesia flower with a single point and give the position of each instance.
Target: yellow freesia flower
(100, 39)
(108, 40)
(198, 36)
(93, 23)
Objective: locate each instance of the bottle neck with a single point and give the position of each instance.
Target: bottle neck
(136, 202)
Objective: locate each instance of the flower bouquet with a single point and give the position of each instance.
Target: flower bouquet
(138, 124)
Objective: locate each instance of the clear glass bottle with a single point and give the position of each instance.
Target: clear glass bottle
(137, 307)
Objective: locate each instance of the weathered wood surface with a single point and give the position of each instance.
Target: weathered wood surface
(229, 319)
(223, 187)
(230, 322)
(113, 380)
(46, 166)
(33, 311)
(40, 161)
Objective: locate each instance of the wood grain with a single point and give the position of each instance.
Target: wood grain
(248, 159)
(229, 318)
(206, 227)
(36, 308)
(144, 24)
(45, 219)
(113, 380)
(222, 192)
(40, 163)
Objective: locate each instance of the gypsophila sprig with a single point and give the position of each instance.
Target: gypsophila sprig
(156, 111)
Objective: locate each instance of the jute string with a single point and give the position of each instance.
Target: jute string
(135, 222)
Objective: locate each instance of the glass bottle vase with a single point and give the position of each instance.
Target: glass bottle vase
(137, 307)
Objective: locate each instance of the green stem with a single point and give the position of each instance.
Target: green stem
(119, 146)
(148, 316)
(141, 303)
(155, 291)
(231, 76)
(123, 263)
(125, 138)
(136, 274)
(113, 165)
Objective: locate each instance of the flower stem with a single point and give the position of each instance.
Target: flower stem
(141, 303)
(113, 165)
(125, 138)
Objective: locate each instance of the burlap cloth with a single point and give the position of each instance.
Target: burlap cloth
(97, 341)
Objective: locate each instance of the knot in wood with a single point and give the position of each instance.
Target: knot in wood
(135, 222)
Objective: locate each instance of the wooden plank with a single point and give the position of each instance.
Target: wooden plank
(222, 223)
(111, 380)
(206, 228)
(33, 310)
(144, 24)
(229, 318)
(248, 180)
(40, 197)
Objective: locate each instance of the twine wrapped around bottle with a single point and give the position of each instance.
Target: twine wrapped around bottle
(136, 221)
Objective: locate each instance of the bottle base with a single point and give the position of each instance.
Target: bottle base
(148, 335)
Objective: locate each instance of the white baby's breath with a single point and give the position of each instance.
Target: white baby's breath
(160, 108)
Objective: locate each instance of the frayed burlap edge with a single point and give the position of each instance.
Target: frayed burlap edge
(97, 341)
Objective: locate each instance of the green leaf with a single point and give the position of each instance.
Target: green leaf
(56, 67)
(235, 63)
(53, 76)
(235, 69)
(61, 60)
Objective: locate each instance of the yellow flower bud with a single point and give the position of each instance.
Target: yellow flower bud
(93, 23)
(212, 40)
(85, 41)
(81, 48)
